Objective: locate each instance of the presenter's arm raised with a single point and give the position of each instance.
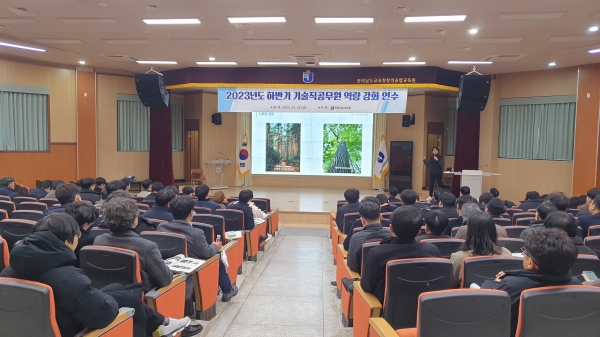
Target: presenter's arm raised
(426, 162)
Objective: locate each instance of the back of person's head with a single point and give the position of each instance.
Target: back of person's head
(484, 198)
(100, 181)
(407, 222)
(66, 193)
(173, 188)
(495, 192)
(545, 208)
(495, 207)
(146, 183)
(181, 207)
(82, 212)
(63, 226)
(393, 191)
(5, 181)
(369, 211)
(532, 195)
(187, 190)
(593, 193)
(245, 196)
(448, 199)
(560, 200)
(465, 199)
(118, 194)
(551, 250)
(382, 199)
(157, 186)
(46, 184)
(562, 220)
(408, 197)
(57, 183)
(115, 185)
(596, 201)
(351, 195)
(481, 235)
(465, 190)
(469, 209)
(436, 193)
(126, 181)
(87, 183)
(119, 214)
(202, 191)
(104, 194)
(218, 197)
(164, 197)
(436, 221)
(371, 199)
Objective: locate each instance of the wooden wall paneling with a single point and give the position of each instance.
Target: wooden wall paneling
(86, 124)
(26, 167)
(551, 82)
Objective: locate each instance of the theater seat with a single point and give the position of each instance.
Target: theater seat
(594, 230)
(169, 244)
(209, 231)
(446, 246)
(3, 214)
(27, 215)
(514, 232)
(49, 201)
(586, 263)
(32, 206)
(15, 230)
(18, 200)
(502, 222)
(593, 242)
(3, 254)
(96, 231)
(206, 284)
(217, 221)
(514, 245)
(8, 206)
(27, 309)
(234, 260)
(349, 218)
(202, 210)
(477, 269)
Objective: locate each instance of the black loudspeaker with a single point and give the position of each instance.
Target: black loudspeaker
(407, 120)
(473, 92)
(216, 118)
(151, 90)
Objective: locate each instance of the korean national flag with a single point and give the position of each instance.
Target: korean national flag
(382, 164)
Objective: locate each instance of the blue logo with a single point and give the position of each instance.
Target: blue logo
(308, 76)
(380, 157)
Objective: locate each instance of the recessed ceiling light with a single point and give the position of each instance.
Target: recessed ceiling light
(102, 4)
(59, 41)
(417, 41)
(171, 21)
(344, 20)
(439, 18)
(574, 38)
(127, 41)
(16, 20)
(470, 62)
(87, 21)
(341, 41)
(495, 39)
(257, 19)
(339, 63)
(81, 62)
(359, 32)
(593, 29)
(552, 64)
(473, 31)
(156, 62)
(211, 58)
(594, 51)
(412, 58)
(529, 16)
(267, 42)
(403, 63)
(277, 63)
(226, 63)
(4, 44)
(198, 41)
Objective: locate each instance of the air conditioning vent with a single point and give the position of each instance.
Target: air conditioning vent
(306, 59)
(400, 9)
(244, 26)
(467, 48)
(122, 58)
(20, 11)
(151, 8)
(439, 32)
(504, 57)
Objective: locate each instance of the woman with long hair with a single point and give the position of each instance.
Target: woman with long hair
(219, 198)
(436, 169)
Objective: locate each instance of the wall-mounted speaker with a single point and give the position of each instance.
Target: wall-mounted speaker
(216, 118)
(473, 93)
(408, 120)
(151, 90)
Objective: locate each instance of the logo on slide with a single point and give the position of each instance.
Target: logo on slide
(380, 157)
(308, 76)
(243, 154)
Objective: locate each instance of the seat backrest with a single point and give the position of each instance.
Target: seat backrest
(4, 197)
(341, 203)
(8, 206)
(18, 200)
(27, 309)
(502, 222)
(169, 244)
(234, 219)
(202, 210)
(27, 215)
(446, 246)
(405, 280)
(453, 223)
(593, 242)
(520, 215)
(396, 203)
(217, 221)
(49, 201)
(94, 232)
(107, 265)
(559, 311)
(515, 231)
(3, 214)
(454, 231)
(3, 254)
(573, 211)
(594, 230)
(586, 263)
(579, 231)
(138, 199)
(262, 204)
(32, 206)
(349, 218)
(477, 269)
(209, 231)
(524, 221)
(366, 248)
(15, 230)
(357, 229)
(514, 245)
(386, 215)
(464, 312)
(143, 207)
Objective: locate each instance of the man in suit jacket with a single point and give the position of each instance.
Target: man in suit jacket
(448, 205)
(410, 197)
(87, 190)
(161, 209)
(65, 194)
(201, 193)
(543, 211)
(532, 201)
(406, 225)
(385, 206)
(370, 217)
(7, 187)
(393, 192)
(351, 195)
(42, 192)
(157, 186)
(436, 223)
(586, 220)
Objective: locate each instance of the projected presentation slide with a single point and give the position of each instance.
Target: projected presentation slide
(312, 143)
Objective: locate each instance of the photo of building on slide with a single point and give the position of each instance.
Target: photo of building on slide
(342, 148)
(283, 147)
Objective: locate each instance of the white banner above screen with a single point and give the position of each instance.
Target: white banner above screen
(312, 100)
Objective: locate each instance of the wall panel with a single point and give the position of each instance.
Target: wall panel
(86, 124)
(26, 167)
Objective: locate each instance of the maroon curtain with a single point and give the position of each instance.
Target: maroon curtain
(161, 155)
(466, 155)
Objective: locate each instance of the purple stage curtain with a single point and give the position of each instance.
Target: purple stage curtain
(466, 155)
(161, 155)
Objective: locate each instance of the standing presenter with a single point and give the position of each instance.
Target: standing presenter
(436, 164)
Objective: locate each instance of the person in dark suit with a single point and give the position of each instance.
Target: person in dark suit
(547, 260)
(87, 190)
(406, 225)
(358, 222)
(495, 207)
(592, 218)
(568, 224)
(560, 200)
(202, 194)
(161, 210)
(532, 201)
(393, 192)
(465, 190)
(65, 194)
(384, 203)
(243, 204)
(542, 212)
(100, 184)
(7, 187)
(484, 198)
(436, 223)
(436, 196)
(85, 214)
(157, 186)
(42, 192)
(410, 197)
(448, 205)
(436, 169)
(351, 195)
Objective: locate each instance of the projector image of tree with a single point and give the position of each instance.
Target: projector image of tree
(342, 148)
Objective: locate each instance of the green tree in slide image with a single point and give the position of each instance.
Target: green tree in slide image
(342, 148)
(283, 147)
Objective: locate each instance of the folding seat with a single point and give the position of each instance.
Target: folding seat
(347, 302)
(262, 204)
(520, 215)
(217, 221)
(514, 232)
(513, 211)
(18, 200)
(234, 259)
(386, 215)
(340, 256)
(349, 218)
(32, 206)
(477, 269)
(138, 199)
(49, 201)
(514, 245)
(3, 254)
(341, 203)
(573, 211)
(143, 207)
(96, 231)
(594, 230)
(502, 222)
(406, 279)
(586, 263)
(452, 224)
(209, 231)
(458, 312)
(446, 246)
(149, 203)
(169, 244)
(27, 309)
(27, 215)
(4, 197)
(8, 206)
(234, 221)
(559, 311)
(524, 221)
(593, 242)
(3, 214)
(202, 210)
(15, 230)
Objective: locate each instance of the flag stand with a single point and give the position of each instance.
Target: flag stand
(244, 186)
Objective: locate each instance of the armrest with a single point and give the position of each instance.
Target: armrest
(122, 326)
(206, 283)
(381, 328)
(352, 274)
(364, 307)
(169, 301)
(369, 298)
(343, 252)
(251, 238)
(154, 293)
(234, 259)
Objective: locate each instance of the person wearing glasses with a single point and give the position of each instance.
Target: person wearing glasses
(548, 256)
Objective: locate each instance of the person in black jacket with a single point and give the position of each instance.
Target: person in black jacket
(393, 192)
(568, 224)
(384, 203)
(42, 192)
(7, 187)
(370, 217)
(351, 195)
(532, 200)
(542, 212)
(87, 190)
(161, 209)
(65, 194)
(46, 256)
(448, 205)
(436, 168)
(548, 256)
(85, 215)
(100, 184)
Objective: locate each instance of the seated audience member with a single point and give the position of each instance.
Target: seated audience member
(85, 215)
(370, 217)
(567, 223)
(495, 207)
(100, 184)
(410, 197)
(481, 240)
(532, 200)
(156, 187)
(406, 226)
(448, 205)
(46, 256)
(243, 204)
(7, 187)
(146, 188)
(65, 194)
(393, 192)
(484, 198)
(385, 206)
(465, 190)
(436, 196)
(42, 192)
(591, 218)
(467, 211)
(173, 188)
(494, 191)
(55, 184)
(589, 197)
(548, 256)
(351, 195)
(127, 183)
(436, 223)
(109, 189)
(143, 223)
(560, 200)
(219, 198)
(161, 209)
(358, 223)
(187, 191)
(183, 211)
(542, 212)
(87, 190)
(202, 194)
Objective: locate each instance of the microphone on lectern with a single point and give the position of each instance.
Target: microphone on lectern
(224, 155)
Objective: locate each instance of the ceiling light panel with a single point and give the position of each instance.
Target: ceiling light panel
(574, 38)
(341, 42)
(127, 41)
(437, 18)
(156, 62)
(594, 51)
(87, 21)
(196, 41)
(339, 63)
(344, 20)
(59, 41)
(269, 19)
(403, 63)
(496, 39)
(17, 21)
(470, 62)
(277, 63)
(18, 46)
(529, 16)
(171, 21)
(216, 63)
(417, 41)
(268, 42)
